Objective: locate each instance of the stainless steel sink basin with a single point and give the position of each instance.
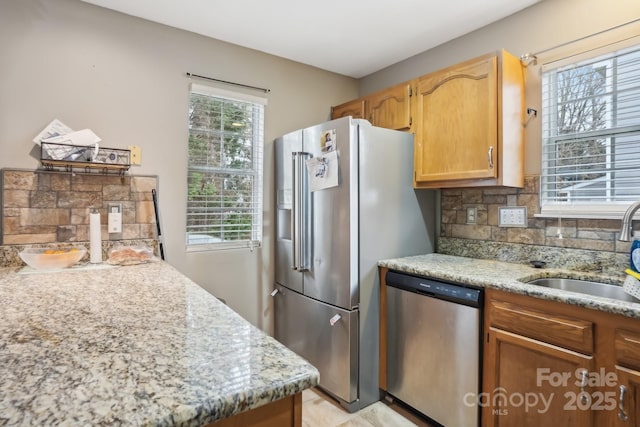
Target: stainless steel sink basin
(585, 287)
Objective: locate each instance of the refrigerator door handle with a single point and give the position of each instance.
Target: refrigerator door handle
(304, 238)
(300, 213)
(301, 210)
(295, 224)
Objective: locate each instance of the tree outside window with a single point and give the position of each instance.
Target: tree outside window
(591, 130)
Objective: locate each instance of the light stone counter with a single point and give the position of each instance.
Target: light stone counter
(510, 277)
(136, 345)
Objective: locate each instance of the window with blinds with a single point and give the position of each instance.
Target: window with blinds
(224, 184)
(591, 135)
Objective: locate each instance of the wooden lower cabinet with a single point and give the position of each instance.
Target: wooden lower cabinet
(628, 397)
(524, 388)
(382, 355)
(536, 351)
(286, 412)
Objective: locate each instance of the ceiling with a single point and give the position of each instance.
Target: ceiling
(350, 37)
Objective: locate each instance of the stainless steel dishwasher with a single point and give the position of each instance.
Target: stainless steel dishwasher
(433, 347)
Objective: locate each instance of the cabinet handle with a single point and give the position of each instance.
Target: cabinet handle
(274, 292)
(583, 383)
(491, 157)
(622, 413)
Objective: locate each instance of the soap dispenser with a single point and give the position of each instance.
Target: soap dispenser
(634, 254)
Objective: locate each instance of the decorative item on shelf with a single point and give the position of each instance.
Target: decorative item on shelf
(71, 157)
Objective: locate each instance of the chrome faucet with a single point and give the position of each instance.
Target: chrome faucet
(627, 219)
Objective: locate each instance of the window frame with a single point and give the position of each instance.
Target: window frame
(256, 171)
(597, 210)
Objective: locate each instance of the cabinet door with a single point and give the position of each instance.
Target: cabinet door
(628, 397)
(391, 108)
(457, 123)
(531, 383)
(355, 109)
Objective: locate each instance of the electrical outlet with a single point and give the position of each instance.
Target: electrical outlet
(472, 215)
(512, 216)
(115, 218)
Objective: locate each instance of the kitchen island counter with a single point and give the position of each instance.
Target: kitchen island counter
(135, 345)
(511, 277)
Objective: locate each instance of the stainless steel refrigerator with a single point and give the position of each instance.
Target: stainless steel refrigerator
(344, 200)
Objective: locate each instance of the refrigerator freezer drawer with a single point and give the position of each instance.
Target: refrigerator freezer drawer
(325, 335)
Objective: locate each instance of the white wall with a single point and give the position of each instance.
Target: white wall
(542, 26)
(124, 78)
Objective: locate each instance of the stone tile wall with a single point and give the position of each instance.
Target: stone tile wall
(53, 207)
(591, 241)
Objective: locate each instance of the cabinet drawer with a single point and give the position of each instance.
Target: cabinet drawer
(627, 346)
(568, 332)
(333, 351)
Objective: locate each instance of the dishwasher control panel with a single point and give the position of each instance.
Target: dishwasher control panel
(435, 288)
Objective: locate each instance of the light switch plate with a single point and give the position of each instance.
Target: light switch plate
(472, 215)
(512, 216)
(136, 155)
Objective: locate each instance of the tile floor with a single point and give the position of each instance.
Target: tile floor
(320, 410)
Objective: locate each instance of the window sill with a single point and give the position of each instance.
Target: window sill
(579, 215)
(584, 212)
(222, 246)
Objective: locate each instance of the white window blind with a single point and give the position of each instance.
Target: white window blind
(591, 135)
(224, 183)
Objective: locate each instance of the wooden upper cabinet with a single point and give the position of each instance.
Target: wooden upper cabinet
(469, 124)
(391, 108)
(355, 108)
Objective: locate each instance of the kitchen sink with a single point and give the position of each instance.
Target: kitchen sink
(597, 289)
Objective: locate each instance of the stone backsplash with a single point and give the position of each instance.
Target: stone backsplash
(580, 244)
(48, 207)
(9, 254)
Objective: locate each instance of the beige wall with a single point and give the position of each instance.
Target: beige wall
(124, 78)
(542, 26)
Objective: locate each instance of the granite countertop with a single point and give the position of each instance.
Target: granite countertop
(135, 345)
(510, 277)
